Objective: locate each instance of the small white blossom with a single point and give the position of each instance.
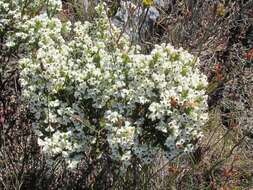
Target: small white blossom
(87, 88)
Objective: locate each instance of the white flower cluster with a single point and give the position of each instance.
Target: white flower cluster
(88, 89)
(14, 13)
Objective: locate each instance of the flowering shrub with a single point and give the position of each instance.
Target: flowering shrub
(89, 91)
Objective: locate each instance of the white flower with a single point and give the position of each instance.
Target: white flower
(87, 88)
